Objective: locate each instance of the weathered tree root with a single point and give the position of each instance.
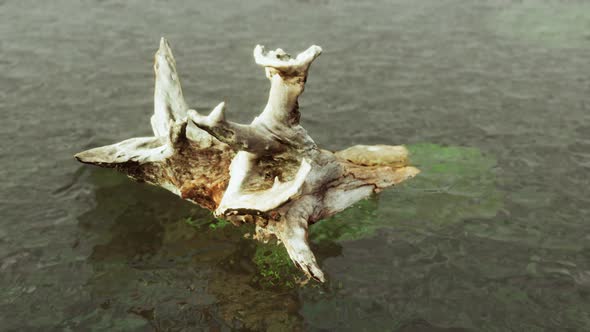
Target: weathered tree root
(270, 172)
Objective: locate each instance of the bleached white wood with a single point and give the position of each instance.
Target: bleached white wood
(269, 172)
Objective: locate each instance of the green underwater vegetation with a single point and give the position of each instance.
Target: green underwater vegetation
(274, 267)
(455, 183)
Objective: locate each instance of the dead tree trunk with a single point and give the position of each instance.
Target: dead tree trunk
(270, 172)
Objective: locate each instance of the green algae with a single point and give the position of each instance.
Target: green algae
(274, 267)
(219, 223)
(455, 183)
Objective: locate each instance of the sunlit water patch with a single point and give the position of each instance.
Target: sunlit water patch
(549, 23)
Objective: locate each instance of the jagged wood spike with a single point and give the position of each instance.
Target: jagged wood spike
(269, 172)
(169, 104)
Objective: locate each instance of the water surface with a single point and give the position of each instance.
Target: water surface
(491, 97)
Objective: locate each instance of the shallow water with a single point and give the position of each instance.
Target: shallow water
(491, 97)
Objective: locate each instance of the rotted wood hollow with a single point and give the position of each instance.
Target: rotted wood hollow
(269, 172)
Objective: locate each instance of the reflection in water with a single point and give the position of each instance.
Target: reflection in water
(146, 260)
(160, 262)
(163, 262)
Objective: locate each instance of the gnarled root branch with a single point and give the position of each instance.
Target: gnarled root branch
(269, 172)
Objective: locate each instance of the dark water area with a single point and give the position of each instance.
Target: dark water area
(491, 97)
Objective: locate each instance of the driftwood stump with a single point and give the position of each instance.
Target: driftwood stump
(270, 172)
